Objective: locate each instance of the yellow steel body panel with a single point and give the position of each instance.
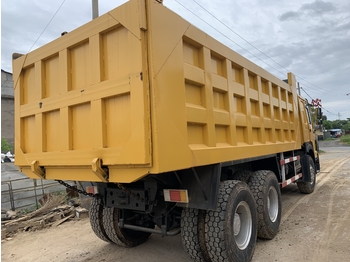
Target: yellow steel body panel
(146, 92)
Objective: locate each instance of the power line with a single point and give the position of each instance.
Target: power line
(248, 43)
(47, 25)
(306, 93)
(319, 91)
(15, 84)
(328, 111)
(229, 38)
(239, 35)
(321, 106)
(325, 90)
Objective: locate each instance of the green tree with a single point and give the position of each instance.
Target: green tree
(338, 124)
(347, 126)
(327, 124)
(5, 146)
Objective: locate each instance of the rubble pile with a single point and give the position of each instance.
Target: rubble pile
(51, 214)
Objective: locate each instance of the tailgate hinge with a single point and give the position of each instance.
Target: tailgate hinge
(99, 171)
(36, 169)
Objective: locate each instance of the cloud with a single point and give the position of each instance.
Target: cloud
(290, 15)
(318, 7)
(314, 9)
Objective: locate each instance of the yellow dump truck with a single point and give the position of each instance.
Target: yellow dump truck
(171, 130)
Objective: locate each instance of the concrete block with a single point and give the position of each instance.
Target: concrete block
(81, 213)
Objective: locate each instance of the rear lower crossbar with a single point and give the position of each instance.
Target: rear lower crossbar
(149, 230)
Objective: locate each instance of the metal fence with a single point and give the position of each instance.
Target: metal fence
(21, 192)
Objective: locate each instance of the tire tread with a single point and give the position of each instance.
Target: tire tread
(242, 175)
(191, 234)
(215, 226)
(96, 219)
(307, 187)
(121, 236)
(257, 184)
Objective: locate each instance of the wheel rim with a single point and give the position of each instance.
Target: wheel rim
(242, 225)
(312, 174)
(272, 203)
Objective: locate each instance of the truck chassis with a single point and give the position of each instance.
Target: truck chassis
(242, 197)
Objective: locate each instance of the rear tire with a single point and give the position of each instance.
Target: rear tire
(308, 187)
(96, 219)
(242, 175)
(230, 231)
(267, 194)
(121, 236)
(193, 234)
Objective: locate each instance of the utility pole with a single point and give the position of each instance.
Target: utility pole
(339, 116)
(94, 9)
(299, 89)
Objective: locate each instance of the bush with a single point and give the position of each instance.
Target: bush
(345, 139)
(5, 146)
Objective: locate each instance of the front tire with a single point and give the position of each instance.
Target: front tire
(267, 194)
(230, 230)
(308, 187)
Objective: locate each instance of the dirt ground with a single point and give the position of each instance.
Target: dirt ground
(314, 227)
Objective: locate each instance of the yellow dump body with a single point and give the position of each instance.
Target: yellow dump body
(141, 91)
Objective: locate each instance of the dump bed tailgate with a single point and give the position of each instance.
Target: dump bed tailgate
(83, 98)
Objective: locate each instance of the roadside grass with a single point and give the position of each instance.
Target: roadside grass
(345, 139)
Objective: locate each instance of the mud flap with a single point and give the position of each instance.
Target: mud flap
(317, 165)
(305, 168)
(202, 184)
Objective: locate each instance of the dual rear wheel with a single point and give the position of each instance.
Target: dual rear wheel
(226, 234)
(105, 224)
(244, 212)
(266, 191)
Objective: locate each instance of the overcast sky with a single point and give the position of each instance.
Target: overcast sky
(309, 38)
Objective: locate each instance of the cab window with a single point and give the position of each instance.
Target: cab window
(308, 114)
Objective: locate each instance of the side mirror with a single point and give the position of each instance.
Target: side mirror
(319, 113)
